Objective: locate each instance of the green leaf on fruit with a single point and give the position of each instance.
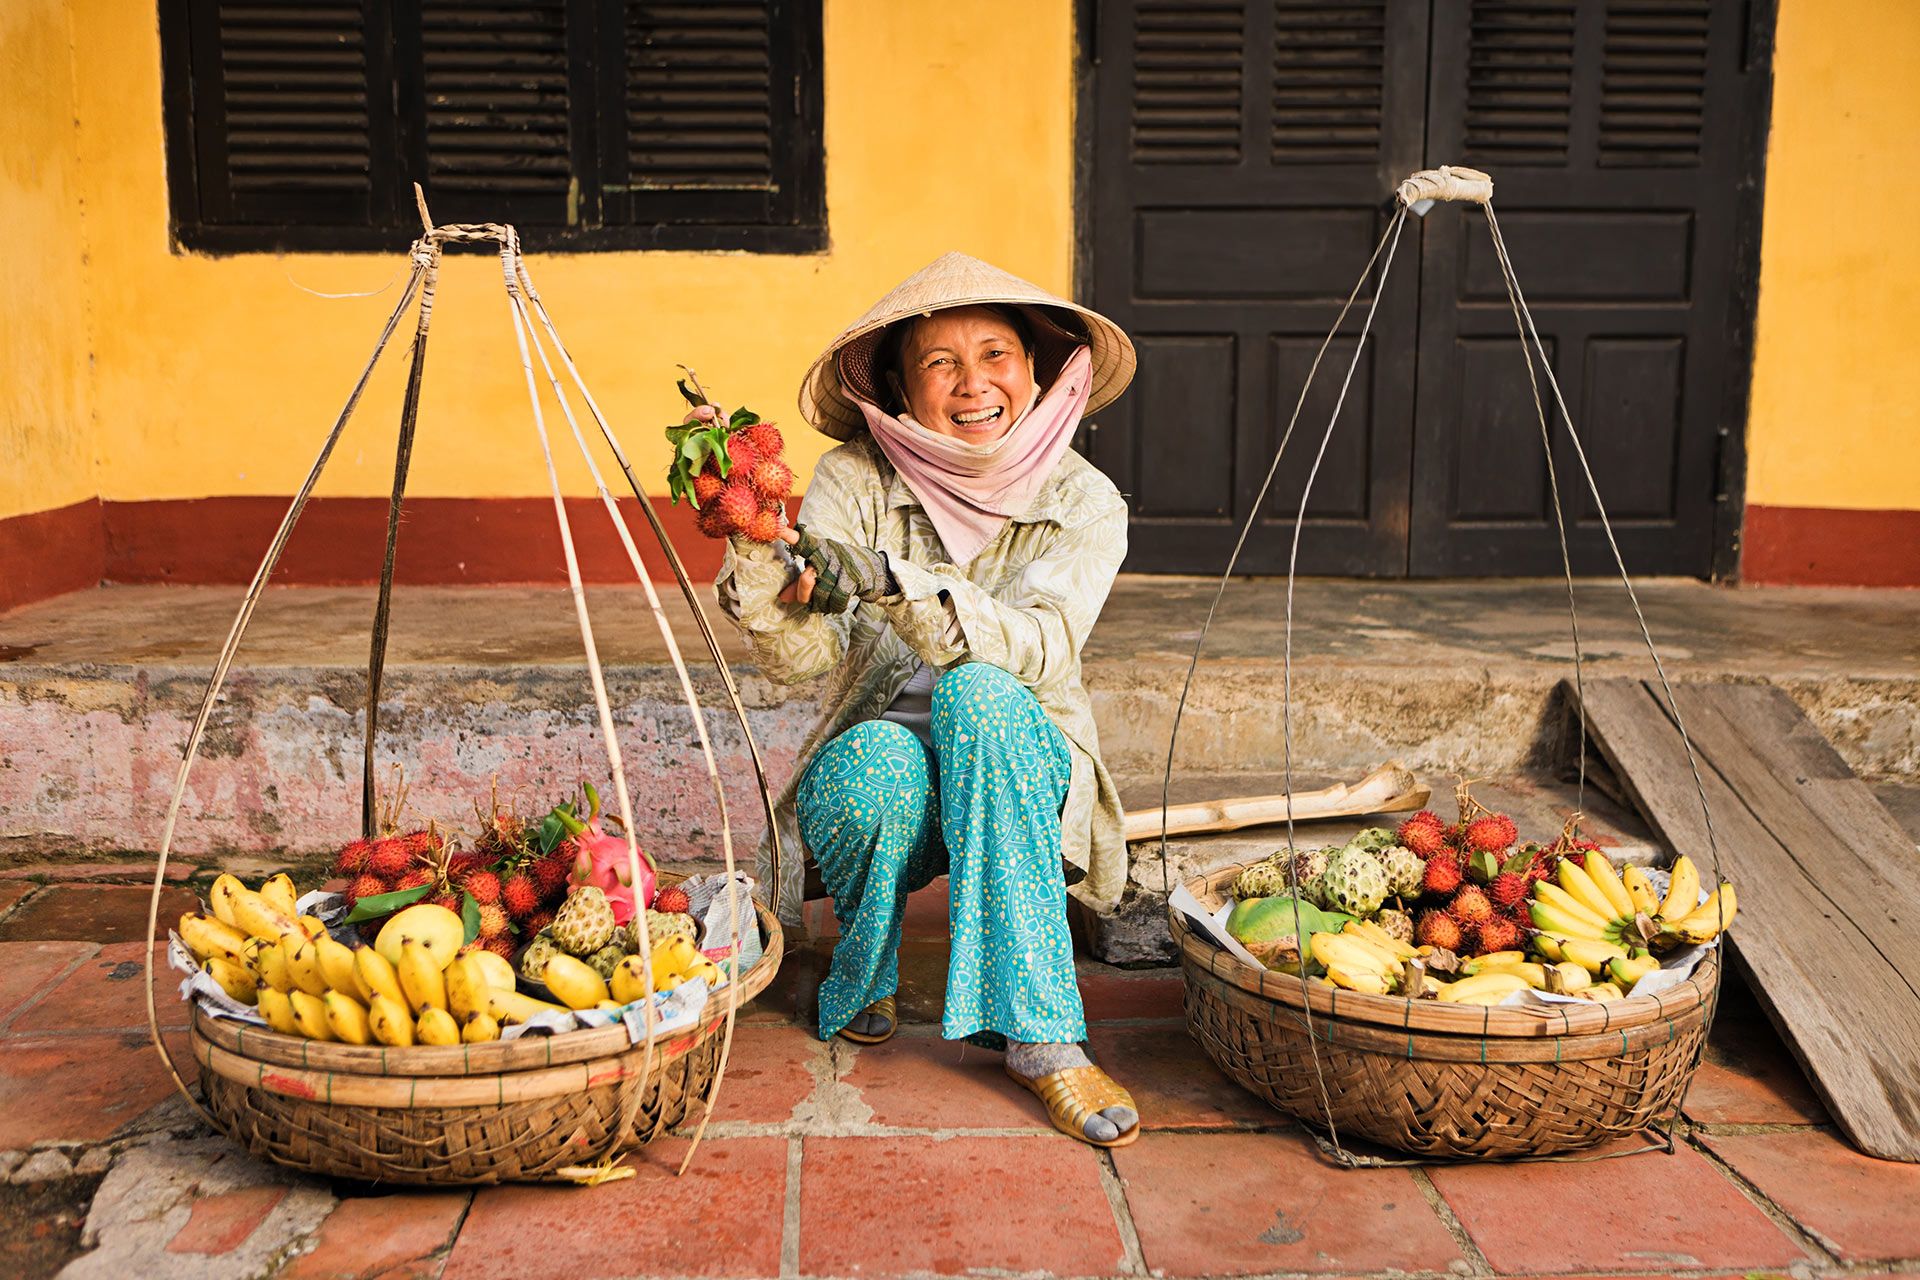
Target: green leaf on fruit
(469, 916)
(742, 417)
(385, 904)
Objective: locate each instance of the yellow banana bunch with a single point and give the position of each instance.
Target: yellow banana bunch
(278, 892)
(1368, 931)
(303, 963)
(1491, 960)
(1706, 921)
(373, 976)
(347, 1018)
(1581, 887)
(480, 1028)
(310, 1016)
(511, 1006)
(1608, 882)
(1353, 954)
(1626, 972)
(436, 1026)
(1639, 888)
(234, 979)
(388, 1019)
(207, 937)
(1683, 890)
(1363, 980)
(277, 1009)
(421, 979)
(1483, 988)
(1602, 991)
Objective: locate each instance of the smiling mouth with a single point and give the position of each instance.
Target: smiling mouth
(980, 419)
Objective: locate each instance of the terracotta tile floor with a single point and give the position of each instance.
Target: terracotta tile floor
(920, 1157)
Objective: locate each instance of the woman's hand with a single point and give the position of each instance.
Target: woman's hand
(800, 590)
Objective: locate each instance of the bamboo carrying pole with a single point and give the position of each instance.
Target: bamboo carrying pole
(523, 304)
(1391, 788)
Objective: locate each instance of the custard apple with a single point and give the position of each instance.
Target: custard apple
(660, 925)
(607, 959)
(1397, 923)
(533, 961)
(1354, 882)
(1264, 879)
(1404, 870)
(584, 923)
(1373, 838)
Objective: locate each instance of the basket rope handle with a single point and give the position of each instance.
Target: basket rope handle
(422, 261)
(1416, 194)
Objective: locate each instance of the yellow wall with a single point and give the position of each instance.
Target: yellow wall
(1836, 419)
(217, 375)
(45, 461)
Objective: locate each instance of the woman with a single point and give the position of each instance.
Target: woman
(947, 563)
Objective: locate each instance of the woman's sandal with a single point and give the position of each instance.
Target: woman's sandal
(881, 1008)
(1077, 1093)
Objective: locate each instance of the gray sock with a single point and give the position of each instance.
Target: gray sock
(1036, 1060)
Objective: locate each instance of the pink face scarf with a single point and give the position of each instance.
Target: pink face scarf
(969, 490)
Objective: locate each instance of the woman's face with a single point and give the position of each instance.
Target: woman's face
(965, 374)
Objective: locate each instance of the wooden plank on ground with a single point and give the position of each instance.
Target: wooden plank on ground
(1829, 885)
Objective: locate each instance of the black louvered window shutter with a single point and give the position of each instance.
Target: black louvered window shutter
(588, 123)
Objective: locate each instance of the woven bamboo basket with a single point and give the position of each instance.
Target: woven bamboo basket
(517, 1110)
(501, 1111)
(1442, 1080)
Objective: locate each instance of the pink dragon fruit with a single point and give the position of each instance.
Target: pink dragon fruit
(601, 860)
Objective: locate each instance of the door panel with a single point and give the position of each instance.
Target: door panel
(1242, 151)
(1611, 128)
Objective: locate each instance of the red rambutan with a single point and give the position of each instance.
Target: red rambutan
(741, 457)
(709, 522)
(422, 843)
(736, 506)
(414, 879)
(493, 921)
(451, 901)
(366, 886)
(1470, 906)
(772, 479)
(536, 922)
(389, 858)
(672, 900)
(764, 438)
(1497, 933)
(1491, 833)
(764, 526)
(519, 895)
(463, 864)
(1508, 891)
(550, 874)
(1436, 928)
(707, 484)
(1423, 833)
(501, 944)
(1443, 873)
(484, 886)
(352, 860)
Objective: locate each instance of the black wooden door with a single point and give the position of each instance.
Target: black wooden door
(1613, 129)
(1238, 160)
(1241, 148)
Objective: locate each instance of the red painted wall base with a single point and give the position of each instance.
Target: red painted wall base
(48, 553)
(1828, 547)
(514, 540)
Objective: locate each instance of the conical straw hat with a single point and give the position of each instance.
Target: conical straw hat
(957, 280)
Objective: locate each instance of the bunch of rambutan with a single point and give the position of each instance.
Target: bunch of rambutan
(1479, 877)
(735, 474)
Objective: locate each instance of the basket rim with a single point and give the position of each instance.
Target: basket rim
(246, 1043)
(1429, 1016)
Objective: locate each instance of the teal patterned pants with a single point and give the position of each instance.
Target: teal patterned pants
(884, 816)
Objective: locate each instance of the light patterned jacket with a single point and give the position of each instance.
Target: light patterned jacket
(1026, 603)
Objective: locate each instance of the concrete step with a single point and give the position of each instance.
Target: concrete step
(98, 689)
